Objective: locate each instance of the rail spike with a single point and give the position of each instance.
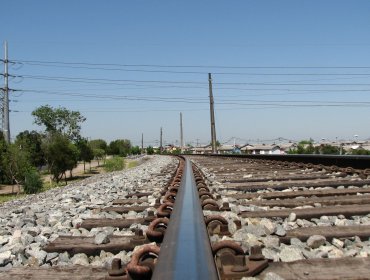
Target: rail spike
(164, 210)
(217, 224)
(141, 265)
(156, 229)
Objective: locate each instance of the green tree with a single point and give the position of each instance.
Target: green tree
(31, 142)
(150, 150)
(98, 144)
(304, 147)
(16, 163)
(86, 153)
(61, 155)
(360, 151)
(3, 150)
(119, 147)
(59, 120)
(136, 150)
(329, 150)
(99, 154)
(32, 182)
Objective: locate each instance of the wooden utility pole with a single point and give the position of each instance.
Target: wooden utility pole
(142, 143)
(160, 145)
(181, 134)
(211, 105)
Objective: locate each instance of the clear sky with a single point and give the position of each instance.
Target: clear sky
(291, 69)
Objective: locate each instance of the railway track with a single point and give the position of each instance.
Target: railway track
(229, 218)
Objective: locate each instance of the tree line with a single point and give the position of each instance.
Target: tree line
(57, 149)
(307, 147)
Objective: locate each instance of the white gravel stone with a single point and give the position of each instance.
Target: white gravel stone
(292, 217)
(26, 225)
(335, 253)
(315, 241)
(337, 243)
(290, 254)
(271, 241)
(5, 257)
(270, 227)
(280, 231)
(271, 254)
(80, 259)
(4, 240)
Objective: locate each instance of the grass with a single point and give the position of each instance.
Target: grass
(8, 197)
(131, 164)
(114, 164)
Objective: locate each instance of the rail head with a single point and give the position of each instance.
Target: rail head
(186, 251)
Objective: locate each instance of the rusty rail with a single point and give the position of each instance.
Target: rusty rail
(186, 251)
(354, 161)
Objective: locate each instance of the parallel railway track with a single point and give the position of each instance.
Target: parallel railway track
(262, 218)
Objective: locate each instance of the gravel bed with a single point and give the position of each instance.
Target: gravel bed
(26, 225)
(266, 232)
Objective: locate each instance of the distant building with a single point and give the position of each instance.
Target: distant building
(262, 149)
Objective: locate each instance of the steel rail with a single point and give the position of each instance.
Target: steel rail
(186, 251)
(355, 161)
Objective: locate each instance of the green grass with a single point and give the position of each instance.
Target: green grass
(132, 164)
(8, 197)
(114, 164)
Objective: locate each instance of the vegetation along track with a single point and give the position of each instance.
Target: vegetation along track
(229, 218)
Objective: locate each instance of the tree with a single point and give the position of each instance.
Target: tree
(304, 147)
(59, 120)
(136, 150)
(120, 147)
(150, 150)
(329, 149)
(31, 142)
(98, 144)
(32, 182)
(3, 150)
(99, 154)
(360, 151)
(62, 126)
(61, 155)
(86, 153)
(16, 163)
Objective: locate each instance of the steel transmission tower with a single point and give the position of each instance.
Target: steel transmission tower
(5, 98)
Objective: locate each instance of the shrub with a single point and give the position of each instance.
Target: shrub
(114, 164)
(32, 182)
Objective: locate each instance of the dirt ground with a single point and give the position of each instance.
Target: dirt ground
(79, 170)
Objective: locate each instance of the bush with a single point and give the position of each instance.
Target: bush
(114, 164)
(32, 182)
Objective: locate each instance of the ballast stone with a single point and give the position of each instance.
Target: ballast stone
(290, 254)
(315, 241)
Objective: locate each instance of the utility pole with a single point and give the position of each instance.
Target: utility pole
(181, 134)
(160, 145)
(211, 105)
(6, 126)
(142, 143)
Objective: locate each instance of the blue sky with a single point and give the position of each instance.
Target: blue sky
(292, 69)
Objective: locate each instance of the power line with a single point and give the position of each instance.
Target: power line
(191, 66)
(191, 72)
(116, 81)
